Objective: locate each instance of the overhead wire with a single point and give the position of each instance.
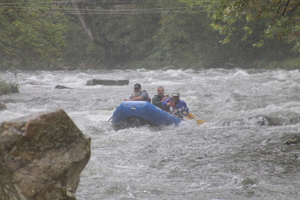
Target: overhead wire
(114, 11)
(58, 2)
(99, 11)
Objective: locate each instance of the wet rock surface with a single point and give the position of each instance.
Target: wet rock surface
(293, 140)
(2, 106)
(61, 87)
(107, 82)
(42, 156)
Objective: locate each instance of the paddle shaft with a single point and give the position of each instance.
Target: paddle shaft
(191, 116)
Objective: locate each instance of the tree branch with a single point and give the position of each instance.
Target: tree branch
(287, 4)
(295, 7)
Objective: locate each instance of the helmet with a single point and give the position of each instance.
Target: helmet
(137, 85)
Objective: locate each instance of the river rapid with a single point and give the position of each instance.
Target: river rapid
(240, 153)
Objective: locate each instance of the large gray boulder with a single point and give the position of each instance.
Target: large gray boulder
(41, 157)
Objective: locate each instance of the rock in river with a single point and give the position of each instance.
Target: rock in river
(42, 156)
(107, 82)
(2, 106)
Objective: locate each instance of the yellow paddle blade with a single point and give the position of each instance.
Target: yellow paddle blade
(191, 116)
(199, 121)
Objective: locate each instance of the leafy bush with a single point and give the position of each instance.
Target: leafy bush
(6, 88)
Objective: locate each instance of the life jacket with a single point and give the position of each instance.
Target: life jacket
(172, 104)
(148, 98)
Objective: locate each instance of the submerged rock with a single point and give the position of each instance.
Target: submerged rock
(107, 82)
(42, 157)
(259, 120)
(61, 87)
(2, 106)
(293, 140)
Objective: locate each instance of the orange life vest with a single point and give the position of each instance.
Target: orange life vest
(172, 104)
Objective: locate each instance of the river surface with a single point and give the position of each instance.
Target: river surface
(239, 154)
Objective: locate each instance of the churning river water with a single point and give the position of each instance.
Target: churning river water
(241, 153)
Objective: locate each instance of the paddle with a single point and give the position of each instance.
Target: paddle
(191, 116)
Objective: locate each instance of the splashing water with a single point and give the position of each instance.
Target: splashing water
(239, 154)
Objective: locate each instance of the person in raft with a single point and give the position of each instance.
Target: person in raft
(159, 97)
(139, 94)
(175, 106)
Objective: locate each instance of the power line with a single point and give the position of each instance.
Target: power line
(109, 12)
(66, 7)
(66, 2)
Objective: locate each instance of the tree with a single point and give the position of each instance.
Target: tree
(184, 37)
(279, 19)
(121, 31)
(31, 31)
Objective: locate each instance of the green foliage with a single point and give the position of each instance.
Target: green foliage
(110, 39)
(148, 33)
(280, 20)
(30, 31)
(80, 49)
(288, 64)
(208, 5)
(130, 36)
(181, 36)
(6, 88)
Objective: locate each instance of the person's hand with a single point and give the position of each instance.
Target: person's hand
(126, 99)
(167, 96)
(184, 113)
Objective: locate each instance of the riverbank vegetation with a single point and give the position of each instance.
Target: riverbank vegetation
(6, 88)
(121, 34)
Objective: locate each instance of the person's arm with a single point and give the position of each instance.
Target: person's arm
(139, 98)
(166, 97)
(165, 103)
(185, 108)
(143, 96)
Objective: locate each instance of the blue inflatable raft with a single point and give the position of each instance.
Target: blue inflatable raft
(138, 113)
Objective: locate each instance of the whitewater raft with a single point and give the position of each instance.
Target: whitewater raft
(139, 113)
